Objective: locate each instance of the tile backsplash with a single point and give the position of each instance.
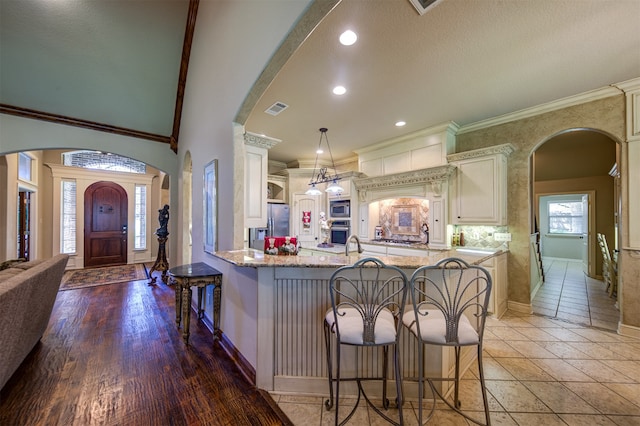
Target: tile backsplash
(386, 217)
(481, 236)
(474, 236)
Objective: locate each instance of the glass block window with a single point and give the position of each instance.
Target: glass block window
(103, 161)
(140, 219)
(566, 217)
(68, 231)
(24, 167)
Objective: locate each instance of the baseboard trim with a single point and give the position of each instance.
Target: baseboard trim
(628, 330)
(238, 359)
(236, 356)
(523, 308)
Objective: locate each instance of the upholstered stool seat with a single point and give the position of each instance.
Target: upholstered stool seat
(433, 327)
(352, 326)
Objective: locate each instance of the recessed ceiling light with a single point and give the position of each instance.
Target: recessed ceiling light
(319, 151)
(400, 123)
(339, 90)
(348, 38)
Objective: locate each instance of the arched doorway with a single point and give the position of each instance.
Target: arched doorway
(568, 168)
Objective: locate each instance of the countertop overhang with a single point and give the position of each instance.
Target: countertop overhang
(257, 259)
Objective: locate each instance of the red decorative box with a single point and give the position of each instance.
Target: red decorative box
(286, 246)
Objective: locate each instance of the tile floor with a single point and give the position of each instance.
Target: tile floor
(538, 370)
(570, 295)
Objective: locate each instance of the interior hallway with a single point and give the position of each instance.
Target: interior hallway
(569, 294)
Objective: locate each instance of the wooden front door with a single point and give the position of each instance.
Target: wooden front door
(105, 225)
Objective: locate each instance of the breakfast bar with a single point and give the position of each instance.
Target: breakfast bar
(273, 309)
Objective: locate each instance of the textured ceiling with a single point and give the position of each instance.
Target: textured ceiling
(116, 62)
(462, 61)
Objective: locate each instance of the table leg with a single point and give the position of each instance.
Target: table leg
(178, 290)
(217, 295)
(200, 297)
(186, 313)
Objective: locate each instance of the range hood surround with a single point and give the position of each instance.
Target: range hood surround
(431, 181)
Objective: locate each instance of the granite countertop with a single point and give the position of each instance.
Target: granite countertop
(256, 258)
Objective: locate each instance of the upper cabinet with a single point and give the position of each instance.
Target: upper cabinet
(632, 90)
(255, 179)
(479, 186)
(416, 151)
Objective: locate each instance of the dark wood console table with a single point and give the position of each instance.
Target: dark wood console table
(196, 275)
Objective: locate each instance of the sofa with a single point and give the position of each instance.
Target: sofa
(27, 293)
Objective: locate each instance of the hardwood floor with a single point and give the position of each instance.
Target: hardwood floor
(112, 355)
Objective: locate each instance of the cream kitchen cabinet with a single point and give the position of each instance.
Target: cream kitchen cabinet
(255, 179)
(497, 268)
(479, 188)
(363, 222)
(255, 184)
(632, 89)
(437, 222)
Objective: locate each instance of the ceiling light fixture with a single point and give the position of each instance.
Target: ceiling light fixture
(400, 123)
(339, 90)
(348, 37)
(323, 176)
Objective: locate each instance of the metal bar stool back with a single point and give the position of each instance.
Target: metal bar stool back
(367, 303)
(449, 301)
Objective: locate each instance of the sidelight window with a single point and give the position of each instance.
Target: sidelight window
(68, 240)
(140, 218)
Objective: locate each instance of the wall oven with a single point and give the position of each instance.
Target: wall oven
(340, 231)
(340, 208)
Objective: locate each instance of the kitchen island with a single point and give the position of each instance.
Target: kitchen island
(273, 309)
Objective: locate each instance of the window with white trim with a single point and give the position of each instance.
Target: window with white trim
(140, 218)
(68, 217)
(566, 217)
(25, 169)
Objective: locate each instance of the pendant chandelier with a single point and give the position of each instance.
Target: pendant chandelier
(323, 175)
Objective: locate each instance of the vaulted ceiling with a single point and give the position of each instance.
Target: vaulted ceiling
(118, 63)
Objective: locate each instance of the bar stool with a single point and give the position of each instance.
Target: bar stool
(449, 301)
(367, 303)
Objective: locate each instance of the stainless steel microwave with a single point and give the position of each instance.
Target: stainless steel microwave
(340, 208)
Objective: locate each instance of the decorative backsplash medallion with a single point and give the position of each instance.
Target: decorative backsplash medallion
(402, 218)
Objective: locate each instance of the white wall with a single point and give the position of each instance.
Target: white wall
(233, 42)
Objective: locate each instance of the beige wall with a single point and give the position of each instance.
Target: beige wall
(606, 115)
(604, 205)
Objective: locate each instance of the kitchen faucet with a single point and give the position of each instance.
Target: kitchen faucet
(346, 245)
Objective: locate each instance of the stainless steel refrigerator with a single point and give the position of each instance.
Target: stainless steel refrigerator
(277, 220)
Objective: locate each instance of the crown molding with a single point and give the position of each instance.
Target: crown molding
(629, 85)
(570, 101)
(414, 177)
(505, 149)
(260, 141)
